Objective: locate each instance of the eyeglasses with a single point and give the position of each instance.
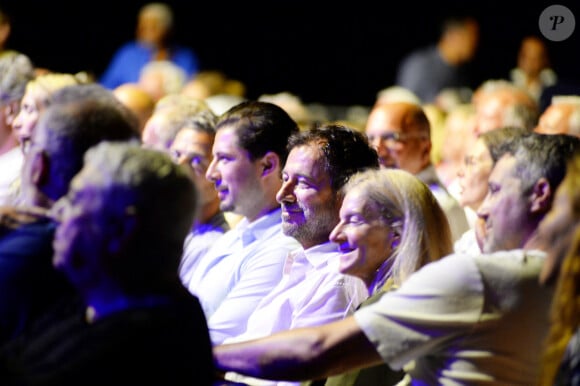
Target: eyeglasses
(396, 137)
(197, 161)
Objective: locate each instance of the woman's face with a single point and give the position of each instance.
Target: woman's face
(474, 174)
(364, 239)
(26, 120)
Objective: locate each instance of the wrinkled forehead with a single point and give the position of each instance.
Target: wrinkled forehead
(392, 118)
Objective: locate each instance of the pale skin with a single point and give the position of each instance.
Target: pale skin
(412, 151)
(364, 240)
(317, 351)
(244, 186)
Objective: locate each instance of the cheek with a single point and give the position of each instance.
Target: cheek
(28, 123)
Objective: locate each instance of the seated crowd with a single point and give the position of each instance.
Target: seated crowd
(161, 240)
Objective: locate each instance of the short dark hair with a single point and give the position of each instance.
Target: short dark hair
(544, 155)
(346, 150)
(261, 127)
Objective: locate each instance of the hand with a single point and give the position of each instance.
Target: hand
(13, 217)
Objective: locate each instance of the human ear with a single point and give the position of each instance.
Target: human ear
(541, 197)
(269, 163)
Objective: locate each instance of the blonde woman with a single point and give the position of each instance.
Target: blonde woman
(390, 226)
(36, 99)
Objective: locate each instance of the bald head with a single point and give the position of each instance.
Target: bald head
(137, 100)
(561, 117)
(400, 132)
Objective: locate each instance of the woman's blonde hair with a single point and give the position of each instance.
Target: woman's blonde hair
(43, 86)
(565, 310)
(411, 209)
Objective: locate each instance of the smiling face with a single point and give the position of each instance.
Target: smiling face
(193, 148)
(506, 209)
(474, 174)
(27, 117)
(236, 178)
(309, 204)
(365, 240)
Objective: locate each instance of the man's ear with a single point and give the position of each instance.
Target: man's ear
(541, 198)
(270, 163)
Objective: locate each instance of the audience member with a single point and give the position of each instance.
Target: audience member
(249, 153)
(81, 117)
(153, 42)
(162, 127)
(160, 78)
(312, 291)
(212, 83)
(430, 70)
(37, 97)
(559, 235)
(119, 240)
(5, 30)
(401, 133)
(474, 174)
(562, 116)
(463, 319)
(533, 72)
(293, 105)
(172, 100)
(458, 138)
(380, 238)
(137, 100)
(192, 147)
(396, 94)
(498, 103)
(16, 71)
(436, 117)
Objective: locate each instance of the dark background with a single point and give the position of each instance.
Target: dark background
(330, 53)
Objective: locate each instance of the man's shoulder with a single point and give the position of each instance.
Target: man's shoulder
(512, 265)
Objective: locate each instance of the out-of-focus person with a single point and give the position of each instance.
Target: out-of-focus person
(153, 42)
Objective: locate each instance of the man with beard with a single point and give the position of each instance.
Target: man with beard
(312, 290)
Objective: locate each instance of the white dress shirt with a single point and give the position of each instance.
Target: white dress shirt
(312, 292)
(238, 271)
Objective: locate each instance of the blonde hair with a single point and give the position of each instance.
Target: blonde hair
(565, 309)
(411, 209)
(43, 86)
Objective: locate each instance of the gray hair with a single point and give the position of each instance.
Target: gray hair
(16, 70)
(146, 184)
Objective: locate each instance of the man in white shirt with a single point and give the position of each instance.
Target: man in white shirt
(249, 152)
(461, 320)
(312, 290)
